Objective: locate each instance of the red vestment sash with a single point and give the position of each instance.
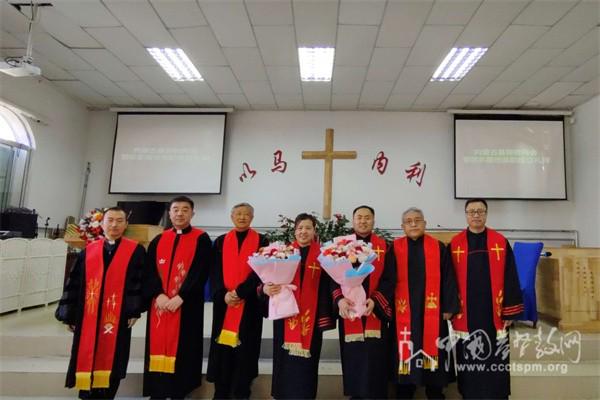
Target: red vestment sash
(497, 258)
(97, 343)
(173, 270)
(431, 318)
(235, 271)
(299, 329)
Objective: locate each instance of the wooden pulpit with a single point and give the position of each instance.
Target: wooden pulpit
(568, 288)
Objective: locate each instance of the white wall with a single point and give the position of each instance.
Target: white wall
(56, 170)
(585, 139)
(74, 135)
(253, 136)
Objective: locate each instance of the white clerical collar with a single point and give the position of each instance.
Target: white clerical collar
(111, 242)
(182, 231)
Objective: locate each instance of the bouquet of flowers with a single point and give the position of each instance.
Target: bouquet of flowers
(337, 258)
(90, 226)
(277, 263)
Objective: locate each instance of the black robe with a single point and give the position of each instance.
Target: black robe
(449, 303)
(71, 306)
(188, 363)
(297, 377)
(229, 366)
(366, 364)
(486, 384)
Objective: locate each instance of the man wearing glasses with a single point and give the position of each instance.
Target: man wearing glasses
(490, 297)
(425, 297)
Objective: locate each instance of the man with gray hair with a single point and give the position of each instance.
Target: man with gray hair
(237, 317)
(425, 297)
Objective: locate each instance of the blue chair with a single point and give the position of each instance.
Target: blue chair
(527, 256)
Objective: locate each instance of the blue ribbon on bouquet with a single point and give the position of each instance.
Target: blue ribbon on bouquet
(364, 269)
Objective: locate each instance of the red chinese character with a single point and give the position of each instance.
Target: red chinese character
(246, 169)
(279, 164)
(381, 162)
(415, 171)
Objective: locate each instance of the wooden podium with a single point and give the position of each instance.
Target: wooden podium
(139, 232)
(143, 233)
(568, 288)
(443, 236)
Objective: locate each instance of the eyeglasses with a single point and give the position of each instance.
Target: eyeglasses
(413, 221)
(472, 213)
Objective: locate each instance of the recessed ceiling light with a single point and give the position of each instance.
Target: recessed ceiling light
(457, 63)
(175, 63)
(316, 63)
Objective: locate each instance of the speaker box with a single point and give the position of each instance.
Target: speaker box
(26, 223)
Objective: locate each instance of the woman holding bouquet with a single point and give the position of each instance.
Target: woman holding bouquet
(297, 339)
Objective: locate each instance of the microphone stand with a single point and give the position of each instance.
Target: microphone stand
(88, 169)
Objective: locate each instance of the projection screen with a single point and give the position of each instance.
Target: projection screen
(168, 153)
(509, 157)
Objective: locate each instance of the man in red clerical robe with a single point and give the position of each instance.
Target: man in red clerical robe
(101, 302)
(364, 342)
(178, 266)
(237, 314)
(490, 297)
(425, 298)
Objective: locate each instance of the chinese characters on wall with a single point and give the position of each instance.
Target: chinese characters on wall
(414, 172)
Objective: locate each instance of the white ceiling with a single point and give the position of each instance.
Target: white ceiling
(542, 53)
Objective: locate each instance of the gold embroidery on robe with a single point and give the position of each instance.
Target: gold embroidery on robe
(305, 320)
(92, 295)
(293, 322)
(402, 305)
(499, 301)
(431, 301)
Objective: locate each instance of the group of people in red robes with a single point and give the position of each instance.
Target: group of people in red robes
(434, 313)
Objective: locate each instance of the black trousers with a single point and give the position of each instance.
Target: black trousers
(225, 391)
(408, 392)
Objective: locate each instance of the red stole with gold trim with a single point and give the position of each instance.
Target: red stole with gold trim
(97, 344)
(164, 325)
(353, 329)
(235, 271)
(497, 257)
(431, 318)
(299, 329)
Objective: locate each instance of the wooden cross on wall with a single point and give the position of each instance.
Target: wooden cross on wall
(328, 155)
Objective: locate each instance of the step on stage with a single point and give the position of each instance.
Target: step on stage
(34, 355)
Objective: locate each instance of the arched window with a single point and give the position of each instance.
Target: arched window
(16, 144)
